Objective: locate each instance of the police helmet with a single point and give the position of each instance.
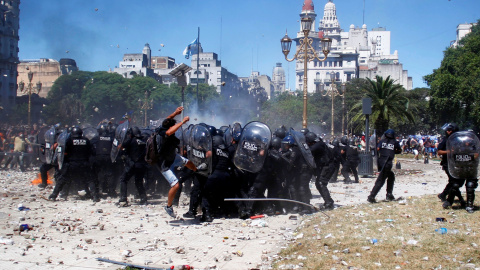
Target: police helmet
(220, 132)
(218, 142)
(236, 136)
(280, 132)
(102, 129)
(335, 142)
(288, 140)
(136, 132)
(212, 130)
(76, 132)
(390, 133)
(112, 128)
(310, 137)
(344, 140)
(304, 131)
(451, 127)
(351, 141)
(276, 143)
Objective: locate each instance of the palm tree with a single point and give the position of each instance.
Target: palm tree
(388, 101)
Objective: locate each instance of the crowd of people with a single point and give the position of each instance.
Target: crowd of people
(258, 173)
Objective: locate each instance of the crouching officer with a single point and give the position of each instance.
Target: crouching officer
(387, 149)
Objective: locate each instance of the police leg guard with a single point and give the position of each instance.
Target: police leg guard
(390, 184)
(471, 185)
(325, 193)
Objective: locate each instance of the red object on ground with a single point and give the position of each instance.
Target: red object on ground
(257, 216)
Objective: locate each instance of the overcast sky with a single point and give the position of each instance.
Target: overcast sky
(245, 34)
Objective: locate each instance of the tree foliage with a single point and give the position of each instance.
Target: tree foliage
(389, 102)
(455, 85)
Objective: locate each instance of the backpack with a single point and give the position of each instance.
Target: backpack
(154, 148)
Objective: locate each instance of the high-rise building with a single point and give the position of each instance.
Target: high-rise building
(358, 53)
(9, 26)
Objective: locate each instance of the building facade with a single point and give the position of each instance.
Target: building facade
(278, 79)
(358, 53)
(463, 29)
(211, 72)
(9, 26)
(45, 71)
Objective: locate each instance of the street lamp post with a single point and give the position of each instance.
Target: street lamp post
(333, 91)
(307, 53)
(21, 85)
(145, 105)
(179, 72)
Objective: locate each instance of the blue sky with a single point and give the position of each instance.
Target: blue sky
(245, 34)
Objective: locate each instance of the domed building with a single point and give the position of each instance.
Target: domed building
(278, 79)
(356, 53)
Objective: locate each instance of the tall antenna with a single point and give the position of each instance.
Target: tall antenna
(363, 22)
(221, 29)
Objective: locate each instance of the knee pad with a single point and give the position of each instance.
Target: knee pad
(472, 184)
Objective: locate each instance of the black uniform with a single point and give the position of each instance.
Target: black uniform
(135, 165)
(76, 165)
(103, 166)
(452, 182)
(291, 165)
(337, 160)
(350, 161)
(387, 149)
(266, 179)
(325, 168)
(218, 182)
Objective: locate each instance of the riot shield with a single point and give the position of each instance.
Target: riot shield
(60, 150)
(463, 150)
(227, 136)
(179, 135)
(90, 133)
(252, 147)
(120, 134)
(302, 144)
(49, 142)
(200, 143)
(186, 137)
(39, 141)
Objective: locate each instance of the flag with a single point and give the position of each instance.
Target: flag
(191, 49)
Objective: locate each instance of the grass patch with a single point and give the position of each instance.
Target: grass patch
(386, 235)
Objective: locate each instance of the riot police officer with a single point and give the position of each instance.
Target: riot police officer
(291, 164)
(337, 159)
(387, 148)
(350, 160)
(135, 165)
(76, 165)
(49, 151)
(267, 178)
(103, 166)
(219, 181)
(449, 128)
(325, 167)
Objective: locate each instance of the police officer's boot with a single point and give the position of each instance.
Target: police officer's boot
(471, 186)
(328, 201)
(206, 216)
(390, 183)
(449, 201)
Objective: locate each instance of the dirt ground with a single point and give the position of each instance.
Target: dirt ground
(73, 234)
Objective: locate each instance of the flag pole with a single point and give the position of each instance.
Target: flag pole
(198, 63)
